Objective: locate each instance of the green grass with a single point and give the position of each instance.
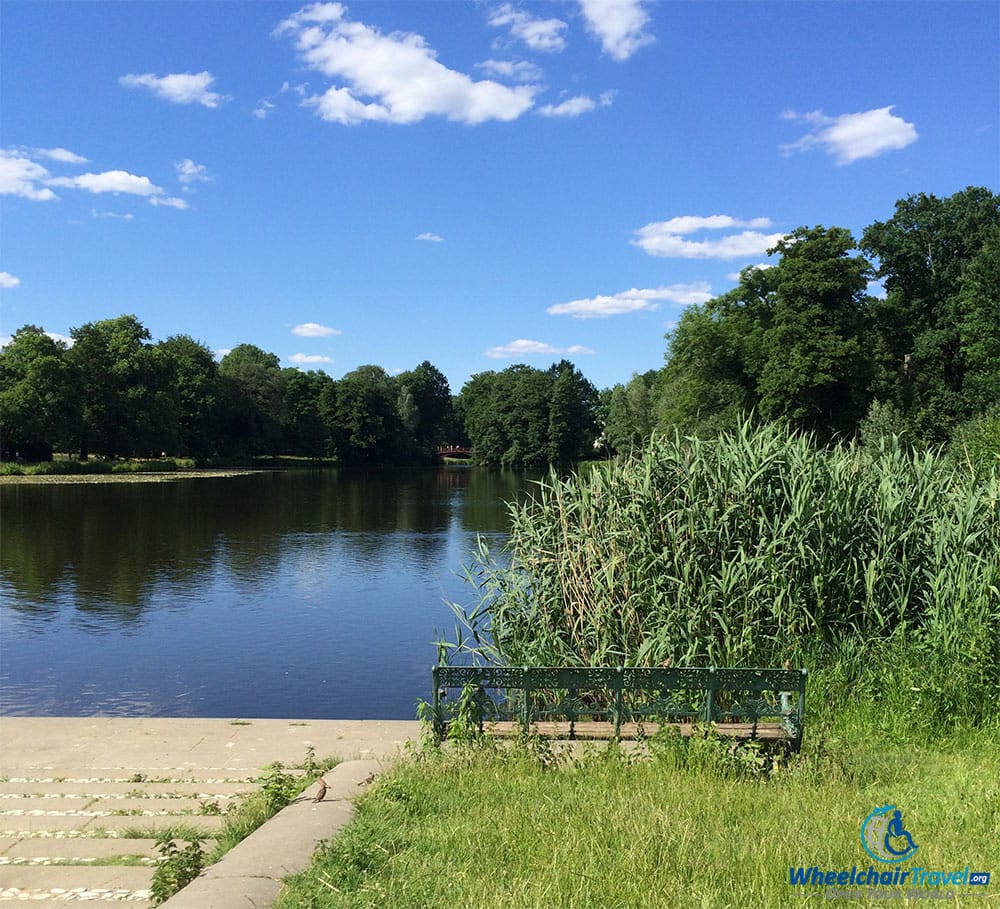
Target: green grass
(683, 825)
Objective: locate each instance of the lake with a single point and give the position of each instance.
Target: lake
(307, 594)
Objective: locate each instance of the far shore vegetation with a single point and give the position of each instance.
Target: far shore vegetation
(895, 333)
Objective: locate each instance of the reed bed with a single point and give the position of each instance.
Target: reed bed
(880, 570)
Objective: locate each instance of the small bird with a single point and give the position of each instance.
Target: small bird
(320, 790)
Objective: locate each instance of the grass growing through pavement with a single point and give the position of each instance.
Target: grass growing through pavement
(682, 825)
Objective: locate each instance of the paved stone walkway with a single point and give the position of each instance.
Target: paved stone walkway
(82, 799)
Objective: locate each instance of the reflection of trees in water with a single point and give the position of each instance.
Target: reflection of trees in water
(109, 549)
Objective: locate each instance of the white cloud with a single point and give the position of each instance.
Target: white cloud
(263, 108)
(63, 155)
(398, 73)
(572, 107)
(665, 238)
(518, 71)
(618, 24)
(188, 172)
(430, 238)
(94, 213)
(7, 280)
(544, 35)
(62, 339)
(851, 137)
(20, 176)
(221, 352)
(314, 330)
(178, 88)
(760, 266)
(626, 301)
(523, 347)
(169, 202)
(303, 359)
(110, 181)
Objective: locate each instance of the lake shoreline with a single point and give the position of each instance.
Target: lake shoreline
(142, 477)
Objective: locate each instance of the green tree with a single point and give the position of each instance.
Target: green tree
(789, 341)
(479, 404)
(362, 417)
(305, 432)
(573, 424)
(630, 411)
(254, 390)
(979, 326)
(526, 417)
(39, 400)
(933, 315)
(714, 357)
(816, 369)
(196, 389)
(425, 409)
(127, 409)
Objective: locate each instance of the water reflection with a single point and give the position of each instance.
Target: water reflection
(286, 594)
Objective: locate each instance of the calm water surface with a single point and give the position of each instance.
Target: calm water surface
(300, 594)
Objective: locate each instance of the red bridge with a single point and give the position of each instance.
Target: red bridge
(454, 451)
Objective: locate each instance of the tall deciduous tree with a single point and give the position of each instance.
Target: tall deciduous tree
(934, 315)
(196, 389)
(305, 432)
(816, 367)
(363, 418)
(254, 387)
(527, 417)
(572, 415)
(789, 341)
(39, 399)
(424, 404)
(126, 408)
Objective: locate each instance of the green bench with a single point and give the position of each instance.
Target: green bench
(623, 701)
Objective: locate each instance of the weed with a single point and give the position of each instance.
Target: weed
(177, 867)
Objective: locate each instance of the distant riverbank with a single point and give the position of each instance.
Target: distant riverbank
(150, 477)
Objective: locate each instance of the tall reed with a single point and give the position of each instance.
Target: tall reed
(749, 549)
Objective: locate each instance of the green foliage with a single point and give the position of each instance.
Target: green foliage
(38, 395)
(525, 417)
(177, 867)
(363, 419)
(278, 786)
(939, 325)
(751, 549)
(125, 409)
(976, 444)
(790, 342)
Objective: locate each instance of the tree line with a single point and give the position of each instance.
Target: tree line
(113, 393)
(804, 342)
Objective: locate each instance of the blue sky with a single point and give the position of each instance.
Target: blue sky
(471, 183)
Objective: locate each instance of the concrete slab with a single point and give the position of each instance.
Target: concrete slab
(138, 747)
(109, 790)
(82, 848)
(55, 878)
